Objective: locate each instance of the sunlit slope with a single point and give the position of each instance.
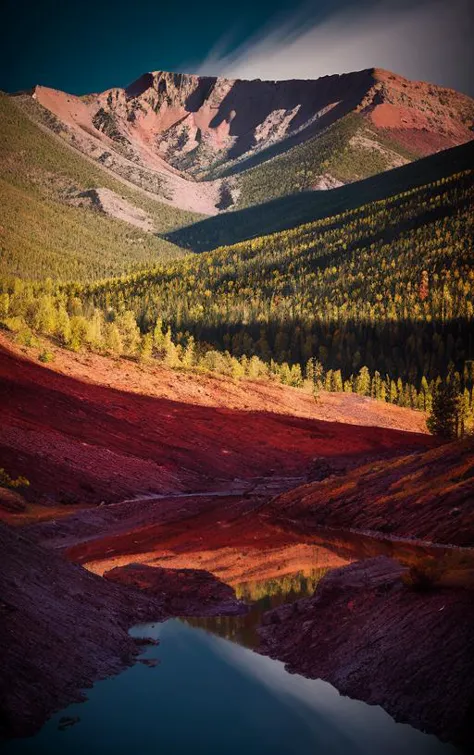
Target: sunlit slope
(291, 211)
(427, 496)
(43, 231)
(388, 285)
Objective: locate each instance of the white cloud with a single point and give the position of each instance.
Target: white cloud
(430, 40)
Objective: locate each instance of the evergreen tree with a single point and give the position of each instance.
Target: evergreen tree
(446, 418)
(362, 385)
(189, 354)
(113, 340)
(145, 349)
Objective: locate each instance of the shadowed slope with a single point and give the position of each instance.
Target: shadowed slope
(297, 209)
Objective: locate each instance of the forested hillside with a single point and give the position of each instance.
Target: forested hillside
(44, 230)
(306, 206)
(347, 151)
(379, 299)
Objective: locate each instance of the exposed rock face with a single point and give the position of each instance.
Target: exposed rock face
(182, 592)
(376, 640)
(110, 203)
(169, 122)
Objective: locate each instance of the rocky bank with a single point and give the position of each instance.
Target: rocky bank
(376, 640)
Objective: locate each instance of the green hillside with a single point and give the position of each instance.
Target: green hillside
(349, 150)
(375, 293)
(43, 234)
(293, 210)
(379, 299)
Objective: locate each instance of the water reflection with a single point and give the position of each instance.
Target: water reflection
(209, 696)
(263, 595)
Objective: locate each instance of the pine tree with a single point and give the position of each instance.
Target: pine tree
(446, 418)
(129, 332)
(362, 385)
(44, 319)
(145, 349)
(4, 304)
(189, 354)
(63, 325)
(113, 340)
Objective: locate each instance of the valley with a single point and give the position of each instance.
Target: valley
(209, 504)
(237, 416)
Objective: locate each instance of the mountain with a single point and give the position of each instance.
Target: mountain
(209, 144)
(385, 285)
(307, 341)
(64, 217)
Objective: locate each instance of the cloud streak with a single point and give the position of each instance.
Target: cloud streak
(430, 40)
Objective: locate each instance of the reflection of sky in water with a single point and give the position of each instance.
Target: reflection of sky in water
(210, 696)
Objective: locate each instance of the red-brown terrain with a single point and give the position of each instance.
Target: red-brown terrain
(167, 129)
(188, 465)
(363, 631)
(92, 436)
(62, 628)
(429, 496)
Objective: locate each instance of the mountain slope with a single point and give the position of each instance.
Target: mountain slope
(402, 497)
(387, 285)
(166, 130)
(296, 209)
(91, 429)
(51, 224)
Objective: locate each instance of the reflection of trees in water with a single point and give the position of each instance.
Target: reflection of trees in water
(264, 595)
(299, 582)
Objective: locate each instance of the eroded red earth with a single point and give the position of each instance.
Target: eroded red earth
(190, 466)
(82, 440)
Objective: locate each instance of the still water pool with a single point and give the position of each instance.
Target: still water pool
(210, 695)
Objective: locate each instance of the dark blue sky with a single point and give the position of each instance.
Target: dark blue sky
(92, 45)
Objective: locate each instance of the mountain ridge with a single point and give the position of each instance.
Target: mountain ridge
(166, 131)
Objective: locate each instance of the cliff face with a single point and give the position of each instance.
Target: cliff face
(194, 123)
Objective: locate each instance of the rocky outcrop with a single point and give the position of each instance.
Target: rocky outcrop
(181, 592)
(378, 641)
(112, 204)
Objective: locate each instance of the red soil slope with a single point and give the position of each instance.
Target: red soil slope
(164, 117)
(422, 117)
(80, 441)
(61, 628)
(428, 496)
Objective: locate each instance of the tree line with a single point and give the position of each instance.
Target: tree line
(378, 300)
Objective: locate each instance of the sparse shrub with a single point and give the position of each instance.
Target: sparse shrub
(423, 575)
(46, 356)
(454, 568)
(6, 481)
(27, 338)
